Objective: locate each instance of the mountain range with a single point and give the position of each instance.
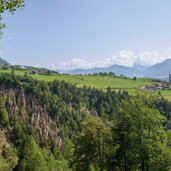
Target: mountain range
(3, 62)
(159, 70)
(117, 69)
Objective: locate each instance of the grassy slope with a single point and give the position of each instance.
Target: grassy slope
(166, 94)
(100, 82)
(93, 81)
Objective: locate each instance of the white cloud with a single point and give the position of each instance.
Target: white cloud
(168, 52)
(75, 63)
(52, 66)
(125, 57)
(148, 58)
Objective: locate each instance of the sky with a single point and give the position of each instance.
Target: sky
(68, 34)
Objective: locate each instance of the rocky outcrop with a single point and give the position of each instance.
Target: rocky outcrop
(24, 107)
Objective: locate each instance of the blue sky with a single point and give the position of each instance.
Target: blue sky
(86, 33)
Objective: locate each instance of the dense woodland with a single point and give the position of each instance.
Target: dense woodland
(58, 127)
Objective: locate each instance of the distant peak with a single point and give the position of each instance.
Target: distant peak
(3, 62)
(167, 60)
(140, 65)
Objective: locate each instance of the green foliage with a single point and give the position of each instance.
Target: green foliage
(134, 78)
(33, 157)
(67, 149)
(8, 155)
(29, 151)
(136, 140)
(9, 159)
(141, 136)
(99, 82)
(11, 6)
(93, 145)
(101, 130)
(4, 119)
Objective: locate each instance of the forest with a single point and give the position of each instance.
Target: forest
(57, 126)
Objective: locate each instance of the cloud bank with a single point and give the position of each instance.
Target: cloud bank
(125, 57)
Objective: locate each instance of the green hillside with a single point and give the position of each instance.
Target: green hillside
(99, 82)
(49, 127)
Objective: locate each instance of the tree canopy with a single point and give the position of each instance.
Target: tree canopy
(11, 6)
(98, 130)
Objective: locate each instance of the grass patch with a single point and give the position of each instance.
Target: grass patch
(99, 82)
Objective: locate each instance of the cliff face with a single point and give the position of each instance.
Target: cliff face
(26, 108)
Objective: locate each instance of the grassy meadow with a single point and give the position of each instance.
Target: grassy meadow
(100, 82)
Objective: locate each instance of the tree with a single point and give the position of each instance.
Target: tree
(8, 158)
(93, 145)
(159, 93)
(4, 119)
(68, 149)
(8, 154)
(11, 6)
(8, 5)
(33, 156)
(53, 164)
(134, 78)
(141, 136)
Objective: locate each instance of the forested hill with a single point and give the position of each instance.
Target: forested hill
(57, 126)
